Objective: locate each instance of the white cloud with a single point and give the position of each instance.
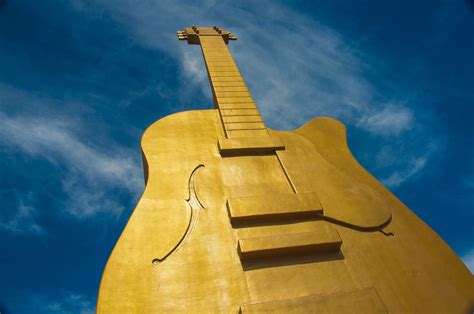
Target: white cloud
(412, 168)
(401, 166)
(67, 302)
(468, 259)
(386, 157)
(51, 139)
(193, 68)
(391, 120)
(89, 168)
(87, 197)
(21, 220)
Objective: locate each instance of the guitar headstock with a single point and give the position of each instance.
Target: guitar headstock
(192, 34)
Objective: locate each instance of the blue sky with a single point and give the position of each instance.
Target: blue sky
(81, 80)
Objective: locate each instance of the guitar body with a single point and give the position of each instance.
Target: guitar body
(356, 248)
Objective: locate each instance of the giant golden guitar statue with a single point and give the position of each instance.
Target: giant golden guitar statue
(236, 217)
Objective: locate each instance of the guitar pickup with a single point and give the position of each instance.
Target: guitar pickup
(273, 208)
(323, 240)
(249, 146)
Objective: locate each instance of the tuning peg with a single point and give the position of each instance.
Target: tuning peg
(181, 35)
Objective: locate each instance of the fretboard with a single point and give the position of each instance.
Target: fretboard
(240, 116)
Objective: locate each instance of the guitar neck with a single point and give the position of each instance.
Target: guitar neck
(240, 116)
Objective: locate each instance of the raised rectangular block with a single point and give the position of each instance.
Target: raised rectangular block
(218, 58)
(239, 112)
(273, 207)
(228, 84)
(224, 74)
(249, 134)
(242, 118)
(234, 100)
(218, 89)
(226, 79)
(217, 52)
(223, 69)
(236, 105)
(249, 145)
(325, 239)
(231, 126)
(233, 94)
(364, 300)
(211, 64)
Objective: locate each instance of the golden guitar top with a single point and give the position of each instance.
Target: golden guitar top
(236, 217)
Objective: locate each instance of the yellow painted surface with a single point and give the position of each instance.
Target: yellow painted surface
(360, 301)
(239, 112)
(264, 143)
(230, 88)
(243, 123)
(283, 207)
(243, 104)
(244, 119)
(324, 239)
(179, 250)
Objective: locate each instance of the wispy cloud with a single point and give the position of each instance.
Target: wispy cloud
(66, 303)
(72, 303)
(21, 219)
(51, 139)
(391, 120)
(411, 169)
(468, 259)
(91, 171)
(399, 167)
